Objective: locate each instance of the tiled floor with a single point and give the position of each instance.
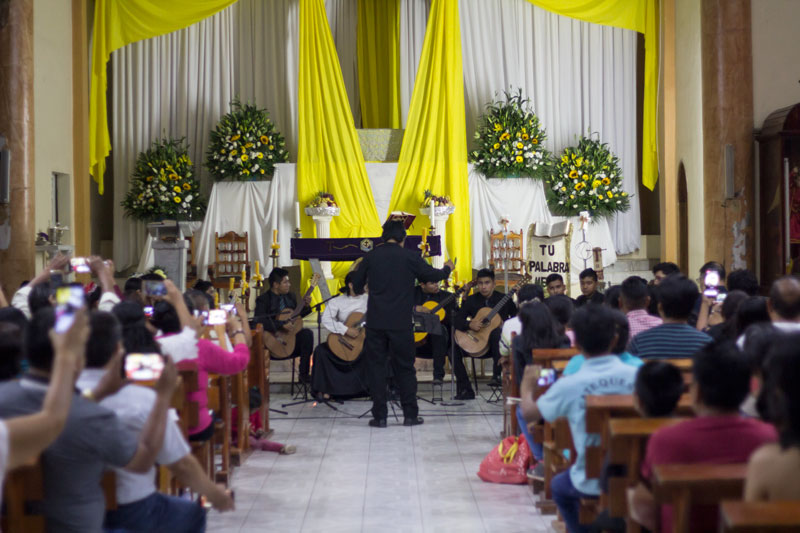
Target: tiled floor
(348, 477)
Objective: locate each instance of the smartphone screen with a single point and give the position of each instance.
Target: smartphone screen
(154, 288)
(547, 376)
(68, 300)
(228, 308)
(721, 297)
(79, 265)
(148, 311)
(216, 317)
(711, 281)
(143, 366)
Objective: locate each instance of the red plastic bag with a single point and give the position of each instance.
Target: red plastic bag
(507, 463)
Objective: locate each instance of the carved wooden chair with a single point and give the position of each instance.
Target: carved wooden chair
(231, 256)
(506, 252)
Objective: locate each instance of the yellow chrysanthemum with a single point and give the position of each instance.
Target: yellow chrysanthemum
(234, 152)
(262, 171)
(524, 136)
(520, 145)
(176, 188)
(186, 186)
(177, 199)
(573, 174)
(245, 171)
(610, 194)
(235, 137)
(571, 196)
(563, 189)
(248, 145)
(149, 178)
(260, 155)
(271, 147)
(498, 127)
(244, 157)
(173, 177)
(580, 185)
(534, 141)
(496, 146)
(505, 136)
(519, 159)
(595, 184)
(222, 151)
(606, 181)
(264, 139)
(564, 158)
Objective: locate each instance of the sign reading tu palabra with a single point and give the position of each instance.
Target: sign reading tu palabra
(548, 250)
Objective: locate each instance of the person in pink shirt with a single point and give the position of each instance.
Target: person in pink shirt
(718, 435)
(209, 357)
(634, 301)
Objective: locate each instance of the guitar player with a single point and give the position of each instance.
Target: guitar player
(331, 375)
(485, 296)
(433, 345)
(275, 300)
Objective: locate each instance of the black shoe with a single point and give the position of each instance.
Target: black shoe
(377, 423)
(414, 421)
(437, 382)
(466, 394)
(495, 381)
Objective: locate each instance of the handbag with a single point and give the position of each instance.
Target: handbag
(507, 463)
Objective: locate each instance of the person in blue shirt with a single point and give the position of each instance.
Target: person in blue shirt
(601, 373)
(623, 331)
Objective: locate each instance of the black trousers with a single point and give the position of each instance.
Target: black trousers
(303, 348)
(396, 348)
(462, 379)
(435, 347)
(331, 375)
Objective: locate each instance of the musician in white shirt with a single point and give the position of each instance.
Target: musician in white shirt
(331, 375)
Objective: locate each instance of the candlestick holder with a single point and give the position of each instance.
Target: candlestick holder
(275, 255)
(298, 233)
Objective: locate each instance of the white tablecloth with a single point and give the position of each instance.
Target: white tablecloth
(260, 206)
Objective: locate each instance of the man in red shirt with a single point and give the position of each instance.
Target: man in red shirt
(717, 435)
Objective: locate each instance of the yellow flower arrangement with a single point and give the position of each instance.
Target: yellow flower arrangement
(177, 199)
(573, 174)
(596, 184)
(605, 181)
(264, 139)
(177, 189)
(519, 159)
(244, 157)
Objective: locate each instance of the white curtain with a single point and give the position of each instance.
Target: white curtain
(580, 77)
(175, 85)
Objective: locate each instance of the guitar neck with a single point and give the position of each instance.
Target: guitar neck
(449, 298)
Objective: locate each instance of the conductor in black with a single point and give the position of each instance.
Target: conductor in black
(390, 271)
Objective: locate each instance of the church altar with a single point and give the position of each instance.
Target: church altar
(258, 207)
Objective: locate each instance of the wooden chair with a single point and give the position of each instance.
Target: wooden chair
(759, 517)
(219, 400)
(627, 445)
(683, 486)
(231, 256)
(258, 374)
(547, 357)
(512, 250)
(241, 398)
(189, 416)
(599, 409)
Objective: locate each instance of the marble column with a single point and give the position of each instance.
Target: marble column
(16, 125)
(727, 67)
(323, 224)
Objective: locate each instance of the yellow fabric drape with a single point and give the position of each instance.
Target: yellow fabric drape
(434, 152)
(116, 24)
(379, 63)
(329, 156)
(640, 16)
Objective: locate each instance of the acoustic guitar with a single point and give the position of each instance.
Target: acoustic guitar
(281, 343)
(437, 308)
(476, 343)
(349, 348)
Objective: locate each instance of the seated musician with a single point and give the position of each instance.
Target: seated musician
(332, 375)
(602, 373)
(434, 345)
(716, 435)
(486, 296)
(270, 304)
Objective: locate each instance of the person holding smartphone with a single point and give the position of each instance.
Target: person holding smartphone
(712, 291)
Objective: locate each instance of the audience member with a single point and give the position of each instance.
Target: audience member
(658, 389)
(662, 270)
(673, 338)
(562, 307)
(24, 434)
(717, 435)
(652, 308)
(756, 345)
(93, 438)
(619, 349)
(722, 320)
(784, 304)
(513, 326)
(751, 311)
(139, 506)
(634, 300)
(136, 335)
(589, 292)
(14, 325)
(203, 354)
(602, 373)
(702, 305)
(133, 291)
(743, 280)
(208, 290)
(44, 294)
(772, 469)
(611, 296)
(539, 330)
(554, 284)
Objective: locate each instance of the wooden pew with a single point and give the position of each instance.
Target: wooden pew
(683, 486)
(241, 398)
(599, 409)
(759, 517)
(219, 400)
(627, 445)
(547, 357)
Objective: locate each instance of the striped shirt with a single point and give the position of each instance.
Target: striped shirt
(668, 341)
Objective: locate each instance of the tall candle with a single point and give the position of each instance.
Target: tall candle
(424, 234)
(244, 275)
(216, 300)
(258, 269)
(433, 210)
(230, 286)
(274, 238)
(297, 214)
